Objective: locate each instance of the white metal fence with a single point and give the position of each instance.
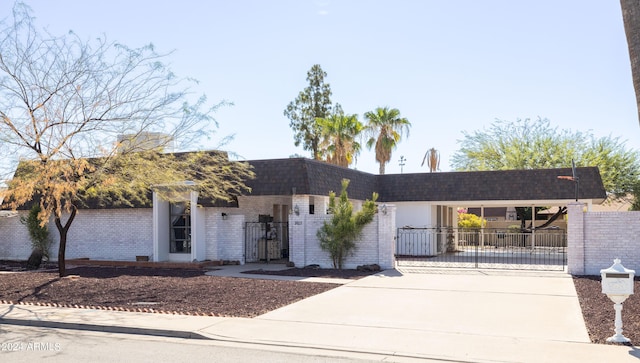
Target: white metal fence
(486, 248)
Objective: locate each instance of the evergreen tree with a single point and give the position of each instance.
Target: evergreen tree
(312, 103)
(339, 235)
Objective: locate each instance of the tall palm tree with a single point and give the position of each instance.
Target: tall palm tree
(631, 20)
(340, 134)
(384, 129)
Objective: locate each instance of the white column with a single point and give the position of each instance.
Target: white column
(160, 229)
(575, 239)
(156, 232)
(386, 238)
(198, 243)
(297, 240)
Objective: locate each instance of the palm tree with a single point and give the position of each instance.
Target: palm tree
(631, 20)
(339, 134)
(384, 129)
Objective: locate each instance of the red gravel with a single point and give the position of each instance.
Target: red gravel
(598, 312)
(178, 291)
(184, 291)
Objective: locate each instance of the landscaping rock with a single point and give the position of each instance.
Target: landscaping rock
(373, 267)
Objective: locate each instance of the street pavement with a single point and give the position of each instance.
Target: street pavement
(396, 315)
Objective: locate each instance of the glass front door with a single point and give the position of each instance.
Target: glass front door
(180, 234)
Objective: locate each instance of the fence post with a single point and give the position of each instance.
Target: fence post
(575, 239)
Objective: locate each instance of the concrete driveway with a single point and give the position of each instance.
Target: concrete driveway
(476, 316)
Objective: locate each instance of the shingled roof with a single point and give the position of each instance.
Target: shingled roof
(312, 177)
(500, 185)
(306, 176)
(280, 176)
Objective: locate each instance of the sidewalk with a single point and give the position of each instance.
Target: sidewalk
(459, 316)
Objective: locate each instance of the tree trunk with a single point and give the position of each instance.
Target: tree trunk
(561, 211)
(522, 215)
(631, 20)
(381, 169)
(315, 149)
(62, 230)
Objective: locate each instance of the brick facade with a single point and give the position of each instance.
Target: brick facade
(224, 237)
(14, 239)
(123, 234)
(111, 234)
(376, 246)
(597, 238)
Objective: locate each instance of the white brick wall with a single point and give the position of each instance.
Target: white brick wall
(375, 246)
(110, 234)
(597, 238)
(123, 234)
(14, 239)
(224, 237)
(610, 235)
(107, 234)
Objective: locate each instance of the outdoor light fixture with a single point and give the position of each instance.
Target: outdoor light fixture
(224, 216)
(296, 210)
(384, 209)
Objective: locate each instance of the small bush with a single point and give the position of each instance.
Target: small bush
(38, 232)
(339, 235)
(470, 221)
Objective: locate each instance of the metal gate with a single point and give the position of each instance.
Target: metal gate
(266, 241)
(482, 248)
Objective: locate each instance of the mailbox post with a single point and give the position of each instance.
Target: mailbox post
(617, 284)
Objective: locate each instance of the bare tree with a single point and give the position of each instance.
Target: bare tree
(63, 102)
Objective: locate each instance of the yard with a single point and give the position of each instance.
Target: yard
(188, 291)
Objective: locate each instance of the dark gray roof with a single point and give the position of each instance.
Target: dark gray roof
(500, 185)
(279, 176)
(312, 177)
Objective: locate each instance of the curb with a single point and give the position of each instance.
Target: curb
(105, 328)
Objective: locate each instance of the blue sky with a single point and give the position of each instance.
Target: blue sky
(447, 65)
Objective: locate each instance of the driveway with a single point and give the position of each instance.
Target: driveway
(454, 315)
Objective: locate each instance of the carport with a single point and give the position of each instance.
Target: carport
(440, 243)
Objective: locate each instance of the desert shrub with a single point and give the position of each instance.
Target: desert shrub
(339, 235)
(38, 232)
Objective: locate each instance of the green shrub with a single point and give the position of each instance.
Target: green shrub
(339, 235)
(38, 231)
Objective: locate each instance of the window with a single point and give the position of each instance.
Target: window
(180, 233)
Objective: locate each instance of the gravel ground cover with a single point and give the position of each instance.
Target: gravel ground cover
(598, 312)
(189, 291)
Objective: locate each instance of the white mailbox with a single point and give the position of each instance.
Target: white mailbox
(617, 280)
(617, 283)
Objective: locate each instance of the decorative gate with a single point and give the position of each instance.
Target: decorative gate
(482, 248)
(266, 241)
